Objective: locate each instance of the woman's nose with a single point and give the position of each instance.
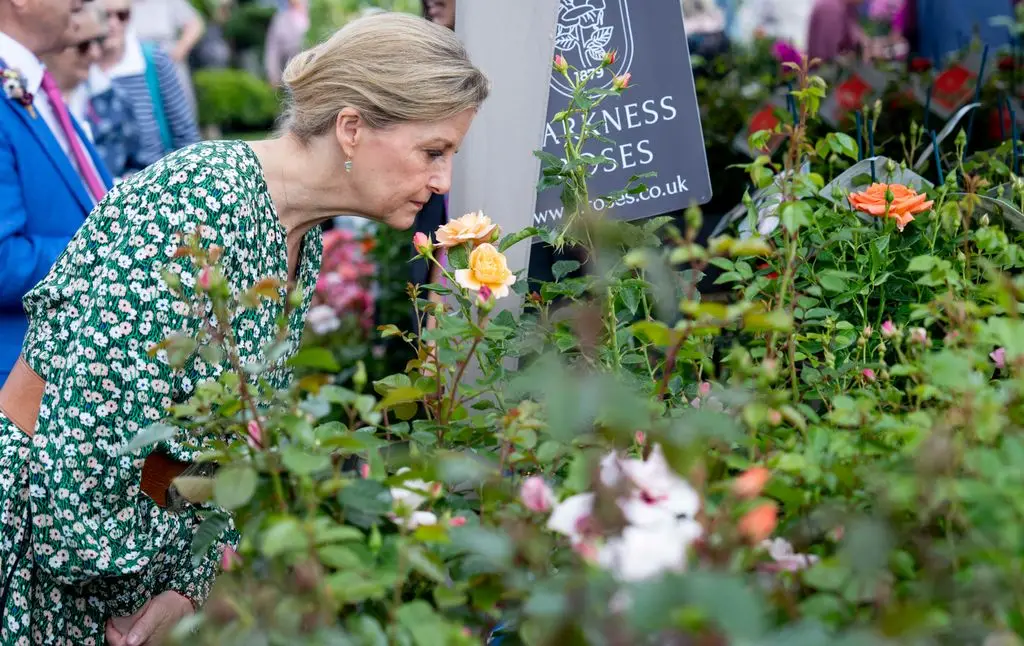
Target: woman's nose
(441, 183)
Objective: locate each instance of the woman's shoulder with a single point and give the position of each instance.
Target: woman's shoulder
(211, 180)
(220, 166)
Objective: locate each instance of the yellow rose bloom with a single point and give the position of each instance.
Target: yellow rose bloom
(487, 266)
(472, 227)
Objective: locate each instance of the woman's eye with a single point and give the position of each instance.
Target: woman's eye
(435, 153)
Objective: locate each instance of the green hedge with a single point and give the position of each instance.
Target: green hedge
(235, 100)
(247, 26)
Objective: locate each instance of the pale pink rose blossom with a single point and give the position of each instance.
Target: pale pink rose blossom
(869, 374)
(254, 434)
(888, 329)
(536, 494)
(998, 356)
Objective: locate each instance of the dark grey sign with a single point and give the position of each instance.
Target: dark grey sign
(655, 124)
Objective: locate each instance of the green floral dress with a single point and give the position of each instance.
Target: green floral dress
(79, 541)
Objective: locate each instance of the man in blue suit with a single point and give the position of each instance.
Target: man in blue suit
(50, 175)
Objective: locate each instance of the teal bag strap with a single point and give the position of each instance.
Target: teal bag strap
(154, 94)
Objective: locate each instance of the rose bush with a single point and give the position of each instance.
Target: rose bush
(831, 455)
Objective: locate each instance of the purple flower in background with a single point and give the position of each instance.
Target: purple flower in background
(784, 52)
(885, 9)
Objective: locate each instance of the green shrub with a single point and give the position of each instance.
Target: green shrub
(235, 100)
(247, 26)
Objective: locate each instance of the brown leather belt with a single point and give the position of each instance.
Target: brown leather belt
(20, 398)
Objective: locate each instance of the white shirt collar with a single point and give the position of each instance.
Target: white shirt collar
(18, 57)
(98, 82)
(78, 102)
(133, 62)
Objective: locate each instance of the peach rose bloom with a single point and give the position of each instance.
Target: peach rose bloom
(751, 482)
(759, 523)
(906, 202)
(487, 266)
(472, 227)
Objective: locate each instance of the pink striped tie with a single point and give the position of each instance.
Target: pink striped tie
(85, 168)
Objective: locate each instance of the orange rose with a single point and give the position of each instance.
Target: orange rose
(906, 202)
(759, 523)
(472, 227)
(487, 268)
(751, 482)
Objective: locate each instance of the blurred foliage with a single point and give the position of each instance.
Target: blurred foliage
(235, 100)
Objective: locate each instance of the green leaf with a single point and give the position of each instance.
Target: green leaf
(212, 354)
(179, 348)
(209, 532)
(235, 486)
(302, 463)
(152, 434)
(367, 630)
(339, 557)
(338, 534)
(563, 267)
(921, 263)
(283, 536)
(654, 332)
(458, 257)
(795, 215)
(402, 395)
(316, 359)
(427, 565)
(425, 625)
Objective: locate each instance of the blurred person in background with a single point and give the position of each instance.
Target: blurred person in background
(441, 12)
(101, 110)
(785, 20)
(286, 37)
(942, 27)
(435, 212)
(834, 30)
(146, 76)
(213, 51)
(175, 27)
(705, 27)
(50, 175)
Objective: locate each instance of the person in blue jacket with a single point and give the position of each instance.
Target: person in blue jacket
(945, 26)
(50, 174)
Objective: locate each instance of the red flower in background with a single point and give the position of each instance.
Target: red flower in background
(920, 64)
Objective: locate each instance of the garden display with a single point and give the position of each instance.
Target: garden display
(828, 452)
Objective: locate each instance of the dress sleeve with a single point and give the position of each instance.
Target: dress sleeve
(104, 387)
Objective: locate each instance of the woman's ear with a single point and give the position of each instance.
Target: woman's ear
(347, 128)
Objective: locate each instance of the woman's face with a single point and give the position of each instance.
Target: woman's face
(395, 170)
(442, 12)
(85, 37)
(119, 12)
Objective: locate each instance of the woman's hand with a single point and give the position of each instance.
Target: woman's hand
(151, 623)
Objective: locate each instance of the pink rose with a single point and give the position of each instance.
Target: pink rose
(204, 279)
(255, 433)
(229, 558)
(998, 356)
(536, 494)
(422, 243)
(888, 329)
(869, 375)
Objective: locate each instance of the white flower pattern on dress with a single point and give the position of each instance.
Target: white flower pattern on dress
(79, 541)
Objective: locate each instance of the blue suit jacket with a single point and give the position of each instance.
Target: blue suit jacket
(43, 202)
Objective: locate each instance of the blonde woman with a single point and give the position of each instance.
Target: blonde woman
(89, 549)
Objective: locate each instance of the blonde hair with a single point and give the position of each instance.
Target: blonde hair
(391, 67)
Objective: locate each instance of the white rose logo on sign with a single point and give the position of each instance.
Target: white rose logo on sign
(584, 36)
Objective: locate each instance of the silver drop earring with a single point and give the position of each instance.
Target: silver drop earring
(348, 165)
